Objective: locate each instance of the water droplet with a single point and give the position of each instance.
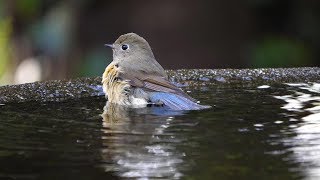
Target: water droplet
(278, 122)
(258, 125)
(293, 120)
(263, 87)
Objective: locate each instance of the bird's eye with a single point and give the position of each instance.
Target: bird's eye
(125, 47)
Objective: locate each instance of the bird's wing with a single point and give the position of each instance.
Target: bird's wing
(153, 83)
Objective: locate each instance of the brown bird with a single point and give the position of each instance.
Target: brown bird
(134, 78)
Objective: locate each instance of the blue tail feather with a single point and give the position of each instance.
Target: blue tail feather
(176, 102)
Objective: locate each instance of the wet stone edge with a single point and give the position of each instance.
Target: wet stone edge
(61, 90)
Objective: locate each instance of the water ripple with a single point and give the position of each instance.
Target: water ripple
(305, 99)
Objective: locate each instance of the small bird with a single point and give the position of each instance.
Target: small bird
(134, 78)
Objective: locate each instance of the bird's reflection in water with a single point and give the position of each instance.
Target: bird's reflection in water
(137, 143)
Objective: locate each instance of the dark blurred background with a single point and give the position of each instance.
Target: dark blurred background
(55, 39)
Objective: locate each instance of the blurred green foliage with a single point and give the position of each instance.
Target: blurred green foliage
(28, 8)
(94, 63)
(280, 52)
(5, 31)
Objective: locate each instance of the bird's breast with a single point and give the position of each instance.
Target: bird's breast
(119, 91)
(116, 90)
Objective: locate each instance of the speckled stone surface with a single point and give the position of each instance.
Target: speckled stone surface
(60, 90)
(57, 90)
(247, 76)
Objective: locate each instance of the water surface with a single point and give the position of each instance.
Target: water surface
(268, 132)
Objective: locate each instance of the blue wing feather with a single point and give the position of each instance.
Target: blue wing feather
(175, 102)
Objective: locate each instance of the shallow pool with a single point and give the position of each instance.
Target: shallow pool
(269, 132)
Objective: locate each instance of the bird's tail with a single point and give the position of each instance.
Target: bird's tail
(176, 102)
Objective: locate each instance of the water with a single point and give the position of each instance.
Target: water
(268, 132)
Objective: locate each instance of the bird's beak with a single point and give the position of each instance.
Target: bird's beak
(109, 45)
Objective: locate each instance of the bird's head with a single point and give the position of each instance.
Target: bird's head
(130, 46)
